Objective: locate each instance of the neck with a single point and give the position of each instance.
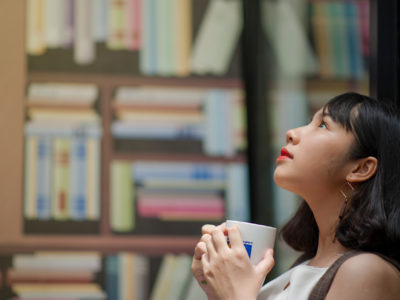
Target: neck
(329, 249)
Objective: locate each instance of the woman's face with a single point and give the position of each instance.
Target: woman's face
(315, 158)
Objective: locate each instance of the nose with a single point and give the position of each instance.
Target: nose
(292, 136)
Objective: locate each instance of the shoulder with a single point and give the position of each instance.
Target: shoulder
(366, 276)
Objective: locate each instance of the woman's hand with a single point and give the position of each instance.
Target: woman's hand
(199, 251)
(227, 271)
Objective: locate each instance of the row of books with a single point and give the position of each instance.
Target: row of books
(160, 30)
(341, 34)
(177, 191)
(56, 275)
(62, 152)
(89, 275)
(195, 120)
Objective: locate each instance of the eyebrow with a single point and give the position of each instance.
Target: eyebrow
(322, 113)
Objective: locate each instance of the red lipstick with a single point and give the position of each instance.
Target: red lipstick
(285, 154)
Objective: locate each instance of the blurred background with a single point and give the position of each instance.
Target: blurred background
(128, 124)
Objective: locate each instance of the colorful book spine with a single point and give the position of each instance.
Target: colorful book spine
(141, 277)
(116, 31)
(181, 278)
(100, 20)
(60, 192)
(176, 171)
(338, 28)
(31, 149)
(162, 22)
(147, 55)
(163, 282)
(44, 178)
(126, 275)
(112, 277)
(84, 46)
(237, 193)
(54, 23)
(354, 38)
(78, 195)
(183, 36)
(93, 178)
(323, 39)
(122, 199)
(35, 37)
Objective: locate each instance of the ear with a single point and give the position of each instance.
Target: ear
(363, 170)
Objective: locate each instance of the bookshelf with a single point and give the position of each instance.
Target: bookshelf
(19, 235)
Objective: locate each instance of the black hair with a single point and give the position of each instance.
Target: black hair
(372, 219)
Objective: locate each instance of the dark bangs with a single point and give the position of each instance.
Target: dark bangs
(342, 109)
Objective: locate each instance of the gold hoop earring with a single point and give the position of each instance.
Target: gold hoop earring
(346, 200)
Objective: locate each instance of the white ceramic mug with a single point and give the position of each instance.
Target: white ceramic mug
(256, 238)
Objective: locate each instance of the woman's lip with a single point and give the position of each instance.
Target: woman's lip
(282, 158)
(285, 153)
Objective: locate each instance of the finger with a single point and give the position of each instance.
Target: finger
(223, 228)
(207, 229)
(235, 238)
(211, 252)
(200, 249)
(267, 263)
(219, 240)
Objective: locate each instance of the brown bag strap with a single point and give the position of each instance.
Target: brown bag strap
(322, 287)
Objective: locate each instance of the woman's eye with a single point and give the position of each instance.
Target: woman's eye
(322, 124)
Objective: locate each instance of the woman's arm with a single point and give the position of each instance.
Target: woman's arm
(366, 277)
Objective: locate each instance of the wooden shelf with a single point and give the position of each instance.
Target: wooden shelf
(179, 157)
(150, 245)
(106, 80)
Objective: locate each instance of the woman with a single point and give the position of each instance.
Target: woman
(345, 164)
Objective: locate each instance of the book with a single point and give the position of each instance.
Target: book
(14, 276)
(116, 22)
(132, 36)
(288, 38)
(54, 22)
(84, 46)
(112, 276)
(44, 178)
(122, 212)
(181, 278)
(126, 275)
(58, 115)
(337, 23)
(163, 21)
(237, 193)
(61, 176)
(163, 130)
(62, 92)
(322, 36)
(78, 195)
(147, 54)
(222, 21)
(30, 180)
(160, 96)
(194, 291)
(181, 171)
(93, 172)
(182, 38)
(57, 261)
(173, 277)
(56, 291)
(354, 38)
(35, 36)
(164, 278)
(100, 20)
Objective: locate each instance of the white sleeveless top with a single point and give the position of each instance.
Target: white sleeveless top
(302, 280)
